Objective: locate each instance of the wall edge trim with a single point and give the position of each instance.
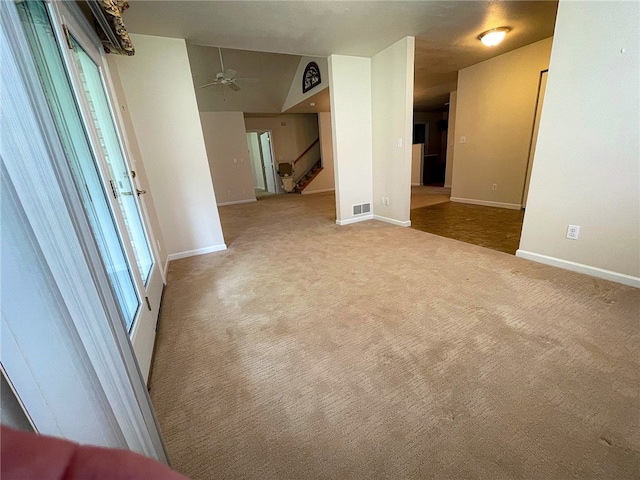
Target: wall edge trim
(617, 277)
(349, 221)
(392, 221)
(235, 202)
(198, 251)
(324, 190)
(487, 203)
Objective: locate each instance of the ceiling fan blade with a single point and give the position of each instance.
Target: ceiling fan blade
(209, 84)
(233, 86)
(230, 74)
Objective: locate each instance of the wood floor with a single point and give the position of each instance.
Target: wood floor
(495, 228)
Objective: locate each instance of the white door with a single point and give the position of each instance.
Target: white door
(267, 162)
(88, 130)
(534, 134)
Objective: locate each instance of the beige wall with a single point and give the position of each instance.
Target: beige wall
(291, 135)
(295, 95)
(392, 113)
(325, 181)
(350, 84)
(225, 139)
(495, 108)
(586, 169)
(161, 100)
(135, 157)
(451, 138)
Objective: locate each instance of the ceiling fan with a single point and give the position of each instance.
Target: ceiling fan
(225, 77)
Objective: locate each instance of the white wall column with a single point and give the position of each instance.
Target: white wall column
(392, 124)
(350, 84)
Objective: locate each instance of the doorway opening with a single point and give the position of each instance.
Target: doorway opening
(542, 86)
(263, 167)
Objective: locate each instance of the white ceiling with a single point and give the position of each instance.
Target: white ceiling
(446, 32)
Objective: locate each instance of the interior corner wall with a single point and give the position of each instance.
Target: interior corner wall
(495, 110)
(586, 169)
(351, 119)
(295, 95)
(451, 138)
(392, 127)
(225, 138)
(325, 181)
(159, 92)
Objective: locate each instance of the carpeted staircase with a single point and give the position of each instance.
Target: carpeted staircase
(308, 177)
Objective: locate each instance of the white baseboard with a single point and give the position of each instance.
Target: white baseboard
(305, 192)
(416, 184)
(392, 221)
(236, 202)
(447, 186)
(199, 251)
(581, 268)
(349, 221)
(487, 203)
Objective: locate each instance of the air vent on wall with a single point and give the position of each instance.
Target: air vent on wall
(362, 209)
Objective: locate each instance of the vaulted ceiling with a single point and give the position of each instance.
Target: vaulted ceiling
(446, 32)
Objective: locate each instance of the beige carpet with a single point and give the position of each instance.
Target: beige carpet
(369, 351)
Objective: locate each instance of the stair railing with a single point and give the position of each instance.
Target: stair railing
(307, 150)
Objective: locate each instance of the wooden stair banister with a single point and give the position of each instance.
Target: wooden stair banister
(308, 148)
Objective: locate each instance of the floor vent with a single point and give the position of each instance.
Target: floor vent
(362, 209)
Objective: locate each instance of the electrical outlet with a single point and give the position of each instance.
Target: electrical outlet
(399, 143)
(573, 232)
(494, 186)
(386, 201)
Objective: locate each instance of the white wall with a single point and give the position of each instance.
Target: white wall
(451, 138)
(161, 100)
(392, 123)
(325, 181)
(225, 138)
(586, 169)
(496, 104)
(351, 119)
(295, 94)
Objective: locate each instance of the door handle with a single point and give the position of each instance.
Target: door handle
(138, 192)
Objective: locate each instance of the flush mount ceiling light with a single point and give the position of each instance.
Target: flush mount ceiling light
(493, 37)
